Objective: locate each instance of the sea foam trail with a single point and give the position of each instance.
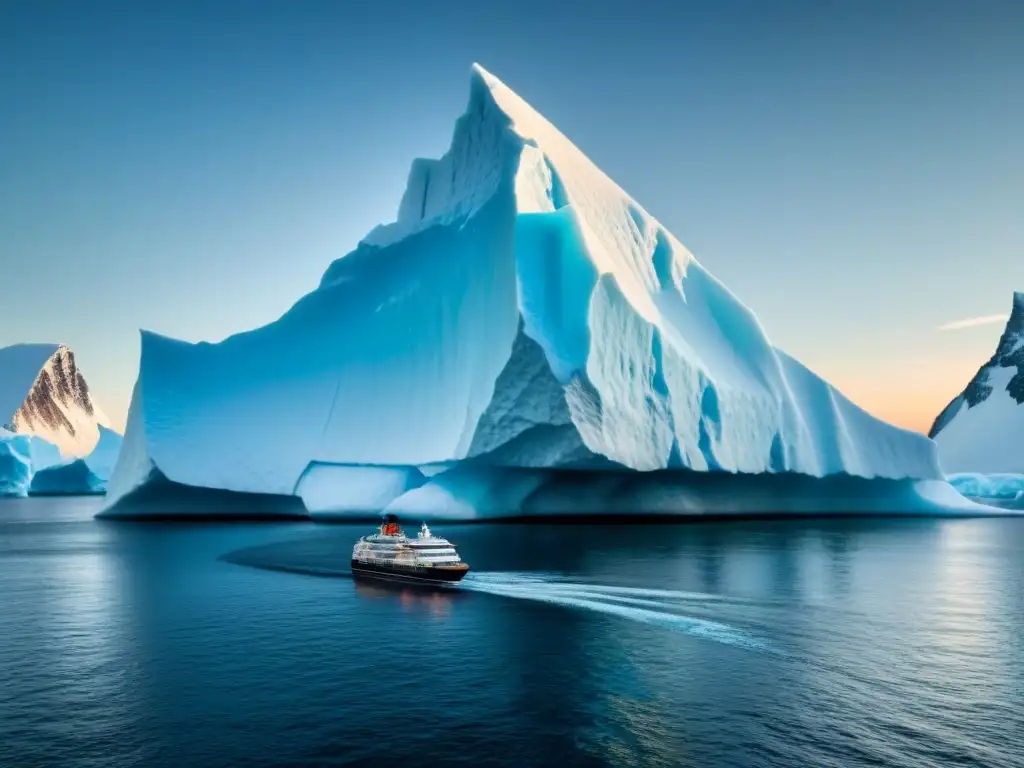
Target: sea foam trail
(648, 606)
(611, 601)
(670, 594)
(613, 598)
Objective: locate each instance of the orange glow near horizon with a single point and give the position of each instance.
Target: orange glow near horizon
(908, 394)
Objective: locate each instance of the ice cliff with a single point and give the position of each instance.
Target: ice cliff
(522, 315)
(54, 437)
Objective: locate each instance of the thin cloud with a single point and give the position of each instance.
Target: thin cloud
(971, 322)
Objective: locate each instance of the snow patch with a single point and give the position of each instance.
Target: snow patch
(989, 437)
(982, 429)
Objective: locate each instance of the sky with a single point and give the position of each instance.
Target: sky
(852, 171)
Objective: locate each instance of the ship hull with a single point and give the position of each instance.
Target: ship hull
(414, 574)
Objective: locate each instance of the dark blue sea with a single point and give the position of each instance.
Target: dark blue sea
(841, 642)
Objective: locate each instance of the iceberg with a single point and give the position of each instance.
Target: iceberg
(999, 489)
(982, 429)
(15, 465)
(20, 457)
(84, 476)
(103, 458)
(74, 478)
(522, 317)
(55, 438)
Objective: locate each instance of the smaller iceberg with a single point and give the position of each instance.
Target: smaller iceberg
(32, 466)
(20, 457)
(998, 489)
(73, 478)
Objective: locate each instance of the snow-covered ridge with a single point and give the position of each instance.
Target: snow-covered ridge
(982, 428)
(522, 312)
(43, 393)
(53, 438)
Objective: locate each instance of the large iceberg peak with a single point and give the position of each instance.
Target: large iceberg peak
(522, 312)
(482, 156)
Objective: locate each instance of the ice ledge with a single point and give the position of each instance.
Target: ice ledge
(469, 492)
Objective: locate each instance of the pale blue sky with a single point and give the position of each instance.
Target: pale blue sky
(853, 171)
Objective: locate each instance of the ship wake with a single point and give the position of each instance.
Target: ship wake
(661, 607)
(668, 608)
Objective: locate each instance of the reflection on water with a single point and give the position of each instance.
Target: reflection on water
(434, 602)
(812, 642)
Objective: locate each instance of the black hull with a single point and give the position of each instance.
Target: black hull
(413, 574)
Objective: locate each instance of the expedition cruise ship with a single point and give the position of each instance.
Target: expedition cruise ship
(390, 554)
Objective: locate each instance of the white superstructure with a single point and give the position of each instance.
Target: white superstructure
(391, 547)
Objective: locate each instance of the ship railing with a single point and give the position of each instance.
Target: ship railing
(362, 557)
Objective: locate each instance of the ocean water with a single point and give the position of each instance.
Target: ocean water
(771, 643)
